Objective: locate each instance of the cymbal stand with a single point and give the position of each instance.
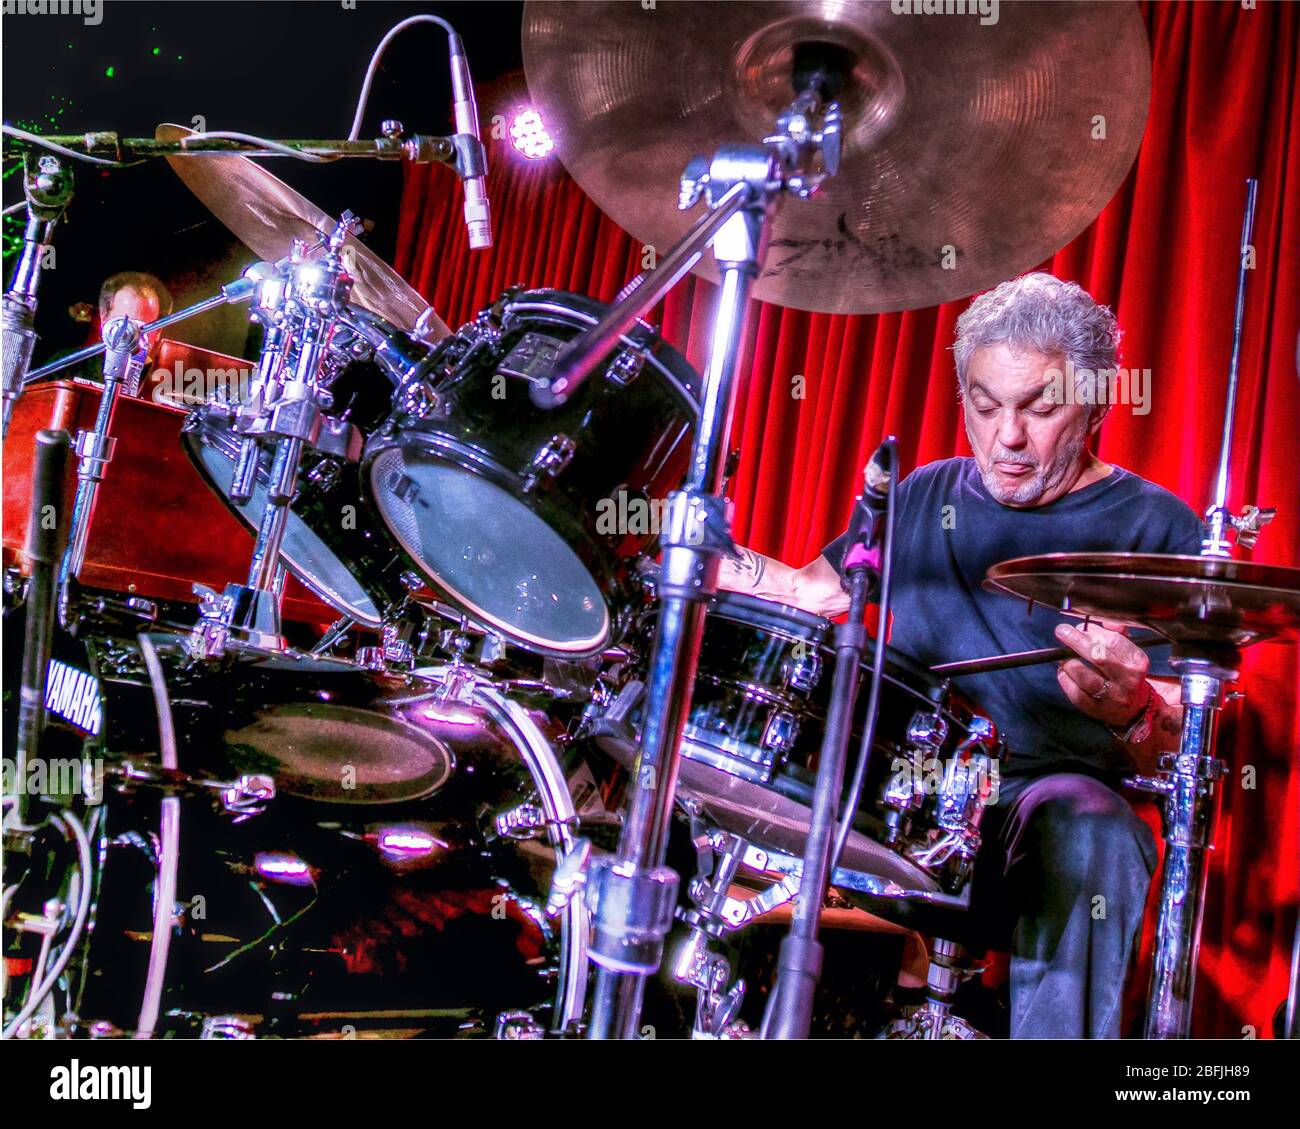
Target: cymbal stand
(634, 893)
(125, 352)
(1188, 782)
(48, 188)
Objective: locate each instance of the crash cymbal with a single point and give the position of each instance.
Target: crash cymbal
(267, 215)
(1184, 598)
(972, 151)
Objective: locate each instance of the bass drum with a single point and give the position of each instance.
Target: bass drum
(750, 747)
(529, 520)
(395, 886)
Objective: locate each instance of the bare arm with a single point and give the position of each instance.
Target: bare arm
(814, 588)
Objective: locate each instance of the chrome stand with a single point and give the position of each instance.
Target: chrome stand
(935, 1019)
(124, 358)
(48, 190)
(1188, 782)
(633, 894)
(1188, 787)
(698, 963)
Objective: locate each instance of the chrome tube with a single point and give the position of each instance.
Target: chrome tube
(688, 579)
(1191, 810)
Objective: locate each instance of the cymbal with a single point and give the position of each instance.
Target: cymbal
(957, 134)
(1187, 599)
(267, 215)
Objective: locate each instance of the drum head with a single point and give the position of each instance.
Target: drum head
(310, 559)
(340, 754)
(491, 553)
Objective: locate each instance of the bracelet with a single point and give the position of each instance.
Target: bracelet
(1139, 729)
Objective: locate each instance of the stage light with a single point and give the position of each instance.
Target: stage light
(528, 135)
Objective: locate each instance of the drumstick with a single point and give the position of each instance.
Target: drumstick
(1026, 658)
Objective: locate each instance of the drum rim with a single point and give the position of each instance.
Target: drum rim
(677, 372)
(198, 432)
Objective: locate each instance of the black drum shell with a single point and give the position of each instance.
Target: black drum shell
(630, 437)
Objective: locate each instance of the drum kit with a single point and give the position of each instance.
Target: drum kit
(416, 765)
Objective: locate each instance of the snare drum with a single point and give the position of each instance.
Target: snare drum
(752, 739)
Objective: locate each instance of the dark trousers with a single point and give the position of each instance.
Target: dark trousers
(1065, 865)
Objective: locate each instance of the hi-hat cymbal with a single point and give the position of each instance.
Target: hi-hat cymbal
(972, 151)
(267, 215)
(1184, 598)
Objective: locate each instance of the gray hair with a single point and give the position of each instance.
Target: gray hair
(1042, 312)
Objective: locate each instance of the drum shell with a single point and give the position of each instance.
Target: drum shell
(442, 938)
(328, 500)
(753, 667)
(156, 529)
(631, 438)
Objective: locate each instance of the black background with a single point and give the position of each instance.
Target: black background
(277, 69)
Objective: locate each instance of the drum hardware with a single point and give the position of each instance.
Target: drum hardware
(1210, 606)
(934, 1019)
(285, 413)
(741, 187)
(526, 821)
(697, 964)
(970, 776)
(336, 631)
(47, 187)
(243, 797)
(227, 1027)
(46, 541)
(517, 1025)
(241, 290)
(125, 353)
(551, 458)
(871, 539)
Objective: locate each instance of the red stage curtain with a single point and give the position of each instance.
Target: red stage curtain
(1224, 106)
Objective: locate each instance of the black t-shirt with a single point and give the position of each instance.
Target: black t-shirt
(949, 530)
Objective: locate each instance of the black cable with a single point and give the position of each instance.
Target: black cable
(877, 670)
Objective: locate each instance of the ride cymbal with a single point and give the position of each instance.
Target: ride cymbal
(972, 151)
(1184, 598)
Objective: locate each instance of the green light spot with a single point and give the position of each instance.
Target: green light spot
(109, 73)
(157, 50)
(179, 58)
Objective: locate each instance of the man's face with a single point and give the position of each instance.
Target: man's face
(1030, 449)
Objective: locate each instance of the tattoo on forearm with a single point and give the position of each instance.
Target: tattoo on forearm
(749, 567)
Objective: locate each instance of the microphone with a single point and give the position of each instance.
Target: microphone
(478, 218)
(867, 523)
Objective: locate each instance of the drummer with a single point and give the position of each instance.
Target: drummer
(1066, 862)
